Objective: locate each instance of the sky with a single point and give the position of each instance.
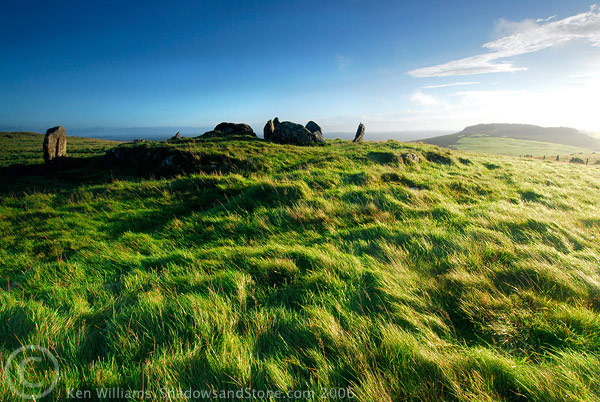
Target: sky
(393, 65)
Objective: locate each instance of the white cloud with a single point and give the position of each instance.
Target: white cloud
(585, 75)
(546, 19)
(521, 38)
(423, 99)
(452, 84)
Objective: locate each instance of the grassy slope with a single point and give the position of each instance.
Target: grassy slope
(519, 139)
(335, 266)
(515, 147)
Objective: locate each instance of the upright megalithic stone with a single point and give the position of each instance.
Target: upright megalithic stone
(55, 144)
(268, 130)
(360, 133)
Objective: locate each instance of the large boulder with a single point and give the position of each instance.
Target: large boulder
(360, 133)
(55, 144)
(268, 130)
(287, 132)
(313, 127)
(276, 122)
(234, 128)
(224, 130)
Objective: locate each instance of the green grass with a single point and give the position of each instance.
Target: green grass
(515, 147)
(463, 277)
(24, 147)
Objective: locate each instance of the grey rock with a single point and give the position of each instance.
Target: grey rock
(55, 144)
(268, 130)
(410, 157)
(176, 136)
(313, 127)
(291, 133)
(360, 133)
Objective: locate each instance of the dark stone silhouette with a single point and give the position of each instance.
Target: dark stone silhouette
(268, 130)
(360, 133)
(176, 136)
(276, 122)
(55, 144)
(234, 128)
(236, 131)
(313, 127)
(291, 133)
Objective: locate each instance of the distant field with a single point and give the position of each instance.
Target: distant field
(514, 147)
(593, 134)
(25, 147)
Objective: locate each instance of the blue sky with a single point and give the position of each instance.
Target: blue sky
(401, 65)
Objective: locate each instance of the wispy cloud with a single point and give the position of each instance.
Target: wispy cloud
(586, 75)
(546, 19)
(423, 99)
(526, 37)
(452, 84)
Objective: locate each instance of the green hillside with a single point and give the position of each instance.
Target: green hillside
(224, 264)
(514, 147)
(519, 139)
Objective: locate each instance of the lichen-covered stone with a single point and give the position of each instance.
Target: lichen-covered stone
(410, 157)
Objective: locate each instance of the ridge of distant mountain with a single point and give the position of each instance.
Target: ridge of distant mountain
(556, 135)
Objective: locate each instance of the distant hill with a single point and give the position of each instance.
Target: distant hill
(526, 132)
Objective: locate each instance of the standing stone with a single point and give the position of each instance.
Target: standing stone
(55, 144)
(276, 122)
(176, 136)
(268, 130)
(313, 127)
(360, 132)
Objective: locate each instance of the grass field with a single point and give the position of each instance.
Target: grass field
(23, 147)
(516, 147)
(462, 277)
